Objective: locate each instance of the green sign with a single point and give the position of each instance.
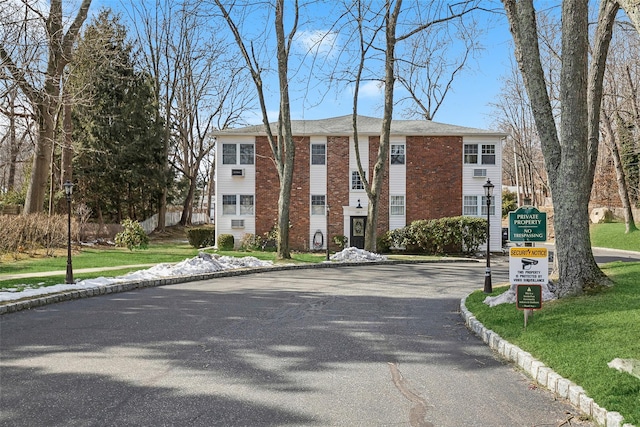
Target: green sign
(527, 224)
(529, 297)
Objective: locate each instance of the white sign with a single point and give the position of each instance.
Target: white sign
(528, 266)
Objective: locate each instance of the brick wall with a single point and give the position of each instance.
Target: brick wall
(434, 177)
(268, 187)
(338, 181)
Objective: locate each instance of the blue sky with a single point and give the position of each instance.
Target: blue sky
(467, 104)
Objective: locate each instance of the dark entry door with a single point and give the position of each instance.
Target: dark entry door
(358, 225)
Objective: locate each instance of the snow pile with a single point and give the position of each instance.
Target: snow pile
(356, 255)
(510, 297)
(202, 264)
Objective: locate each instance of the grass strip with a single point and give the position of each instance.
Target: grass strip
(577, 337)
(612, 235)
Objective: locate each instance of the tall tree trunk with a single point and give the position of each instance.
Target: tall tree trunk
(611, 142)
(570, 160)
(34, 201)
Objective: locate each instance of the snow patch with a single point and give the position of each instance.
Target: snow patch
(202, 264)
(352, 254)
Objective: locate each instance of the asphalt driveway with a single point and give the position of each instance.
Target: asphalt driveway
(372, 345)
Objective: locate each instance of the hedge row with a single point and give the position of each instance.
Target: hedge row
(35, 232)
(460, 234)
(200, 237)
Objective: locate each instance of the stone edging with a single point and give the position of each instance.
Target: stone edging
(542, 374)
(124, 286)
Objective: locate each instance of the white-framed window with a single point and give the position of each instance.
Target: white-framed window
(483, 206)
(231, 155)
(317, 205)
(484, 154)
(397, 154)
(318, 154)
(477, 206)
(488, 154)
(471, 153)
(246, 154)
(230, 205)
(396, 205)
(246, 204)
(356, 181)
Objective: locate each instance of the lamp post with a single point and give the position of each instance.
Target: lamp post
(327, 231)
(68, 191)
(488, 192)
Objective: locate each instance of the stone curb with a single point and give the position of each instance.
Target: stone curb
(28, 303)
(542, 374)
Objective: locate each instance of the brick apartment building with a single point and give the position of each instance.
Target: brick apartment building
(435, 170)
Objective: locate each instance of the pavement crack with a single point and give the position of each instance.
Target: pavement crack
(418, 411)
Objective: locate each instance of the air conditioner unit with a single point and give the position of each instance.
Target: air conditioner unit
(237, 223)
(479, 173)
(237, 172)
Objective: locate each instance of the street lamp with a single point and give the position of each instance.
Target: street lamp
(328, 231)
(68, 191)
(488, 192)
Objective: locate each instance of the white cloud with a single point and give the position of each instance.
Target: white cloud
(323, 43)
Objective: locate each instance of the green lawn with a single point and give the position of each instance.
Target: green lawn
(577, 337)
(612, 236)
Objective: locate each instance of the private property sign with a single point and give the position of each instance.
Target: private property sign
(527, 224)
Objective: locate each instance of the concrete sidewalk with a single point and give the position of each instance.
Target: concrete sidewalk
(63, 272)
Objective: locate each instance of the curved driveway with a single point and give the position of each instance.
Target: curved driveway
(379, 345)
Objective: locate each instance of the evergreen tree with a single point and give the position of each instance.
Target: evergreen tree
(118, 162)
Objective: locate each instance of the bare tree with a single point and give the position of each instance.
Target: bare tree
(371, 21)
(16, 142)
(282, 145)
(570, 152)
(20, 55)
(523, 165)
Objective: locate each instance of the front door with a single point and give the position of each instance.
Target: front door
(358, 225)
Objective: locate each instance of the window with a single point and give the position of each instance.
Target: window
(477, 206)
(470, 205)
(396, 205)
(356, 182)
(397, 154)
(471, 153)
(492, 209)
(246, 154)
(317, 205)
(228, 154)
(246, 205)
(489, 154)
(229, 204)
(318, 154)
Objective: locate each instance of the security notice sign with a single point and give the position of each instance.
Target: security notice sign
(528, 266)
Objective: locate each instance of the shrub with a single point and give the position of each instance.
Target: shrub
(384, 243)
(132, 236)
(34, 232)
(454, 234)
(250, 242)
(226, 242)
(200, 237)
(509, 202)
(341, 241)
